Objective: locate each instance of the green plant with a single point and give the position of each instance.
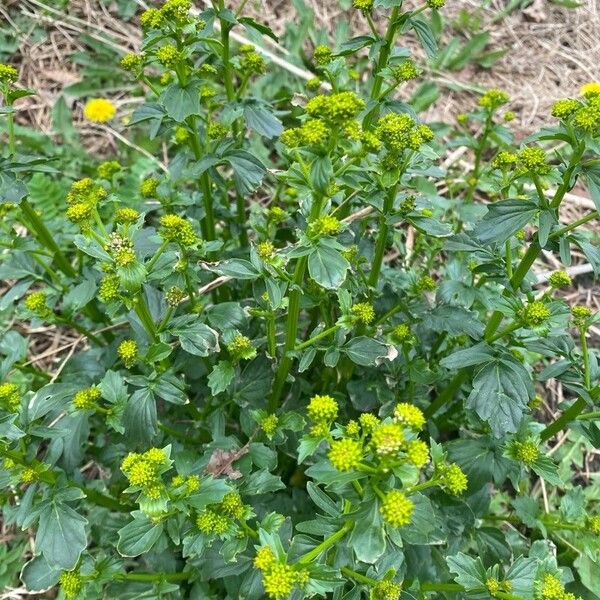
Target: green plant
(279, 393)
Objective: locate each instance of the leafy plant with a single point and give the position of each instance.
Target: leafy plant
(306, 372)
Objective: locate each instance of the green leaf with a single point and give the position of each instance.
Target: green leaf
(589, 572)
(425, 36)
(237, 268)
(195, 337)
(139, 419)
(262, 120)
(522, 574)
(250, 23)
(423, 527)
(504, 219)
(38, 575)
(501, 392)
(181, 102)
(470, 572)
(365, 351)
(138, 536)
(475, 355)
(61, 535)
(248, 171)
(545, 467)
(572, 504)
(367, 538)
(220, 377)
(327, 267)
(211, 491)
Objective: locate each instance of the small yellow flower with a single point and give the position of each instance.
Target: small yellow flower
(551, 588)
(109, 288)
(264, 558)
(8, 73)
(70, 583)
(86, 399)
(279, 581)
(363, 312)
(387, 439)
(409, 415)
(590, 89)
(241, 348)
(232, 505)
(10, 398)
(269, 424)
(396, 509)
(527, 452)
(417, 453)
(559, 279)
(322, 408)
(126, 215)
(454, 479)
(128, 352)
(368, 422)
(345, 454)
(99, 110)
(387, 590)
(535, 313)
(593, 524)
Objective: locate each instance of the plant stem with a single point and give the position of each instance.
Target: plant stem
(291, 324)
(569, 415)
(157, 255)
(382, 60)
(381, 243)
(326, 543)
(589, 416)
(593, 215)
(358, 576)
(150, 577)
(316, 338)
(45, 237)
(10, 121)
(142, 311)
(422, 486)
(442, 587)
(50, 477)
(447, 394)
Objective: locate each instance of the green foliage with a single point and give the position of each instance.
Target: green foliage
(308, 349)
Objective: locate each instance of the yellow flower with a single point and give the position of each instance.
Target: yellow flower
(417, 453)
(527, 452)
(535, 313)
(232, 505)
(241, 348)
(128, 352)
(345, 454)
(9, 396)
(387, 590)
(279, 581)
(99, 110)
(322, 408)
(86, 399)
(70, 583)
(409, 415)
(269, 424)
(454, 479)
(593, 524)
(396, 509)
(264, 558)
(551, 588)
(363, 312)
(388, 438)
(8, 73)
(590, 89)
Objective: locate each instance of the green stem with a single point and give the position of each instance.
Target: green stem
(422, 486)
(575, 224)
(589, 416)
(382, 60)
(10, 121)
(153, 577)
(142, 311)
(358, 576)
(291, 324)
(569, 415)
(208, 207)
(86, 332)
(241, 218)
(326, 543)
(50, 477)
(509, 329)
(157, 255)
(441, 587)
(508, 259)
(447, 394)
(316, 338)
(381, 243)
(586, 359)
(46, 238)
(271, 335)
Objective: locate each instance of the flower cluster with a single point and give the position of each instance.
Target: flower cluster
(363, 312)
(83, 199)
(581, 314)
(176, 11)
(559, 279)
(396, 508)
(405, 71)
(70, 583)
(99, 110)
(143, 471)
(241, 348)
(386, 590)
(494, 586)
(87, 398)
(532, 159)
(526, 451)
(585, 114)
(8, 74)
(37, 303)
(399, 132)
(453, 478)
(279, 579)
(10, 398)
(551, 588)
(174, 228)
(493, 99)
(335, 109)
(128, 352)
(535, 313)
(251, 62)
